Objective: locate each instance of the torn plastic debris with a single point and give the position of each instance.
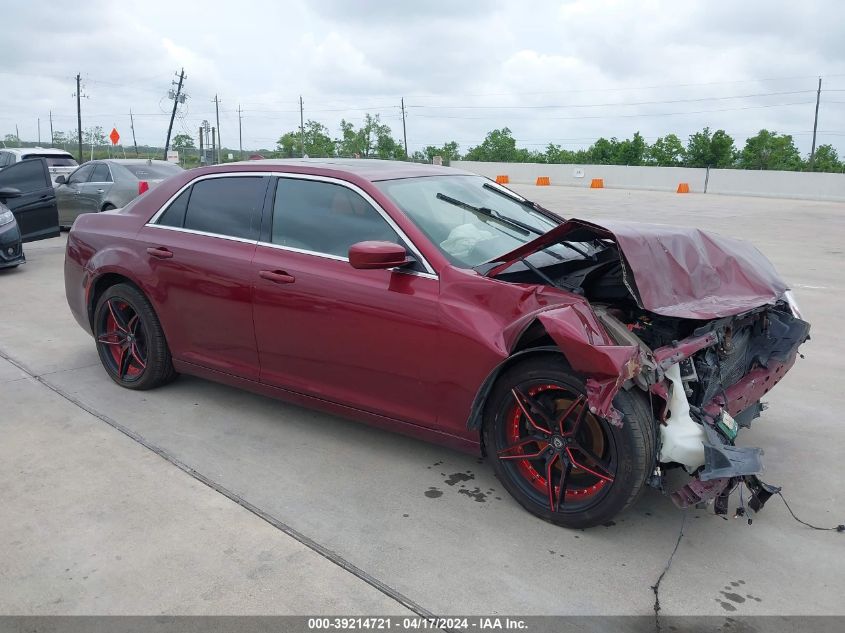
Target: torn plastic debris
(724, 460)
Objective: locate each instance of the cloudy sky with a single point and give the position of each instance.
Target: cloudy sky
(566, 71)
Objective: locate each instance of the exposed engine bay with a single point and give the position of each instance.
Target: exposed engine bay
(704, 376)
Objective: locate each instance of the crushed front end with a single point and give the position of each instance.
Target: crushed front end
(706, 380)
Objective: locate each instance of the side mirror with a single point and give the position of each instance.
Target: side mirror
(9, 192)
(374, 255)
(60, 180)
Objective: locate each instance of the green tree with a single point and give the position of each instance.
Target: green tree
(716, 150)
(182, 142)
(770, 150)
(373, 139)
(667, 151)
(603, 152)
(498, 146)
(11, 140)
(630, 151)
(316, 142)
(827, 160)
(448, 151)
(94, 136)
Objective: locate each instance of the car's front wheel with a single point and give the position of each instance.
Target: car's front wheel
(558, 460)
(130, 340)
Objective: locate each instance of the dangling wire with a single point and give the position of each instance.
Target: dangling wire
(838, 528)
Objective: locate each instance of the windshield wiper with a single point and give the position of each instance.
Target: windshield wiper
(533, 206)
(517, 225)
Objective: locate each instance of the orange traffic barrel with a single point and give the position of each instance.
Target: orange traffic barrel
(597, 183)
(502, 179)
(543, 181)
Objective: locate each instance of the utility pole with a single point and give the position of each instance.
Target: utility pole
(51, 129)
(217, 113)
(240, 135)
(173, 114)
(404, 132)
(39, 131)
(79, 114)
(202, 151)
(17, 134)
(301, 128)
(213, 145)
(815, 125)
(132, 125)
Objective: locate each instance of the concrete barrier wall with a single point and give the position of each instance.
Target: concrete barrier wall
(737, 182)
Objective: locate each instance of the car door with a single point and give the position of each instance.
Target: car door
(67, 195)
(199, 249)
(329, 330)
(94, 192)
(35, 206)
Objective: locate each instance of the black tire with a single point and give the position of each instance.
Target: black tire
(108, 207)
(625, 455)
(134, 352)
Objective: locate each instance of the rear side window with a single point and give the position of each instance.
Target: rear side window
(101, 174)
(325, 218)
(27, 176)
(224, 206)
(175, 213)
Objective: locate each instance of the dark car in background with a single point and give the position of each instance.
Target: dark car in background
(101, 185)
(27, 208)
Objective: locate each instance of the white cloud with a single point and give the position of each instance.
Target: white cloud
(438, 54)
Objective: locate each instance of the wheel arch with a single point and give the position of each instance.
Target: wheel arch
(102, 283)
(533, 341)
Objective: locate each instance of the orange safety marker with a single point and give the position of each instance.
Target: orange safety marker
(543, 181)
(597, 183)
(502, 179)
(683, 187)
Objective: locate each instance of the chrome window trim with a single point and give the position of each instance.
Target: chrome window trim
(179, 229)
(429, 270)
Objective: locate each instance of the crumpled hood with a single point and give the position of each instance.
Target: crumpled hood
(675, 271)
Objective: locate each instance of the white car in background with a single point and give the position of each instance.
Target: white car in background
(59, 162)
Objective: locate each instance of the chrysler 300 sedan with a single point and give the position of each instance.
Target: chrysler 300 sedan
(583, 359)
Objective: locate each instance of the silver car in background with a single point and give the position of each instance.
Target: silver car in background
(101, 185)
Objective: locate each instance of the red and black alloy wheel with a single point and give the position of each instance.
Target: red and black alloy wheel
(560, 461)
(122, 333)
(130, 340)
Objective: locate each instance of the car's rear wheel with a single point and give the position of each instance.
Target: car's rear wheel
(130, 341)
(558, 460)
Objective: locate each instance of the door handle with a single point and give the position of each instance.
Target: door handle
(100, 190)
(277, 276)
(160, 252)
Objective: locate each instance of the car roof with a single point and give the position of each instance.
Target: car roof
(368, 168)
(36, 150)
(134, 161)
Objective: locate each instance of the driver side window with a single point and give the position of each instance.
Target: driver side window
(80, 175)
(324, 217)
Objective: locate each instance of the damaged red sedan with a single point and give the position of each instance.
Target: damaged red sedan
(584, 359)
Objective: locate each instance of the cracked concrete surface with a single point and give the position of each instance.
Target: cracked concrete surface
(431, 524)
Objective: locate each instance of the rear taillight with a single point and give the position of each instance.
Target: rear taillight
(143, 186)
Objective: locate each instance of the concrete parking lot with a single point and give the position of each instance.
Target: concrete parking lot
(274, 509)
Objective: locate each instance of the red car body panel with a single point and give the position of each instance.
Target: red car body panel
(409, 352)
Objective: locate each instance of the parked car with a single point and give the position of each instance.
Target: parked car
(101, 185)
(583, 359)
(59, 162)
(27, 209)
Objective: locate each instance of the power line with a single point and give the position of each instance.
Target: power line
(622, 116)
